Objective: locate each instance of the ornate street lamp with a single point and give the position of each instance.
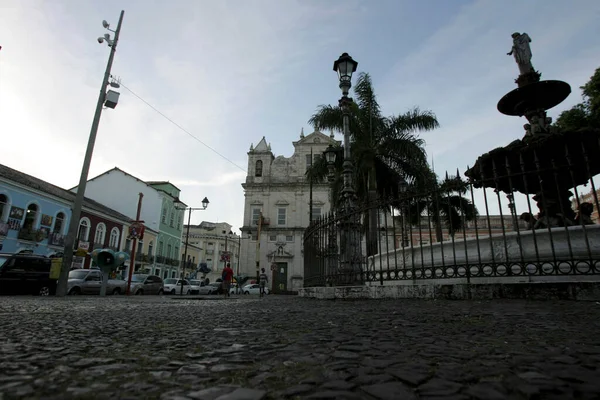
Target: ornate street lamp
(350, 238)
(345, 66)
(330, 154)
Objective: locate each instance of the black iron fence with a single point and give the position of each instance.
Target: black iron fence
(520, 218)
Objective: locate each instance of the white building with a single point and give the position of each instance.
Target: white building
(278, 187)
(120, 191)
(217, 243)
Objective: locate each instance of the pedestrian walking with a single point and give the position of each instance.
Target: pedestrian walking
(263, 279)
(227, 277)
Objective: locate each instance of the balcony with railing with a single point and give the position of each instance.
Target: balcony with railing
(56, 239)
(32, 235)
(188, 265)
(160, 259)
(144, 258)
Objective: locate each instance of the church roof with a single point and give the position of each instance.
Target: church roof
(317, 137)
(262, 146)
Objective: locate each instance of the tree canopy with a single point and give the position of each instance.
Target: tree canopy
(384, 149)
(586, 114)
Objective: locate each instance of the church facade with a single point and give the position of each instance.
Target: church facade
(277, 203)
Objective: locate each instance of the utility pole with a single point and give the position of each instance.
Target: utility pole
(61, 289)
(187, 239)
(133, 245)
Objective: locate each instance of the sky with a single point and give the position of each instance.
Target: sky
(232, 71)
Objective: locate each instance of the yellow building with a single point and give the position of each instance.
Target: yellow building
(194, 255)
(144, 253)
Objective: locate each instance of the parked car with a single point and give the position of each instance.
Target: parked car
(89, 281)
(253, 288)
(26, 274)
(173, 286)
(211, 288)
(147, 284)
(195, 286)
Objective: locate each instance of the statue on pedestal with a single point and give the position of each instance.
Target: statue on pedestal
(522, 52)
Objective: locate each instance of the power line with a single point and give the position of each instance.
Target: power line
(189, 134)
(180, 127)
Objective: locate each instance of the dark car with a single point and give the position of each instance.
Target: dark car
(26, 274)
(147, 284)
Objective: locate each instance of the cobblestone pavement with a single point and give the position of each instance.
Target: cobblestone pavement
(288, 347)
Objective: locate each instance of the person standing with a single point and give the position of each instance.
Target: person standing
(227, 278)
(263, 279)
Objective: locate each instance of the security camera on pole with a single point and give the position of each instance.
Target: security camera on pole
(109, 99)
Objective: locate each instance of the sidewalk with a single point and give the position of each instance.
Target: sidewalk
(287, 347)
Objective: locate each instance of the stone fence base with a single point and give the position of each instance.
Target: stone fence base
(573, 290)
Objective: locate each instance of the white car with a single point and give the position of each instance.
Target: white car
(173, 286)
(195, 286)
(253, 288)
(211, 288)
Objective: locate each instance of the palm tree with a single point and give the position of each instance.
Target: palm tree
(384, 149)
(445, 204)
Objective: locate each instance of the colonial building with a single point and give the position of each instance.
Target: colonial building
(277, 190)
(193, 257)
(161, 211)
(35, 216)
(592, 198)
(218, 245)
(144, 253)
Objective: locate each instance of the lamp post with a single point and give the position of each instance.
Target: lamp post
(402, 187)
(61, 289)
(238, 260)
(350, 243)
(187, 238)
(227, 236)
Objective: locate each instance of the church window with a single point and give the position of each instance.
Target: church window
(258, 168)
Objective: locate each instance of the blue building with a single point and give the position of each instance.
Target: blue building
(34, 216)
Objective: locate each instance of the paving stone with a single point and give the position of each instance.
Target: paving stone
(338, 385)
(334, 394)
(413, 377)
(244, 394)
(390, 391)
(364, 380)
(348, 355)
(210, 393)
(191, 369)
(439, 387)
(485, 391)
(286, 347)
(297, 390)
